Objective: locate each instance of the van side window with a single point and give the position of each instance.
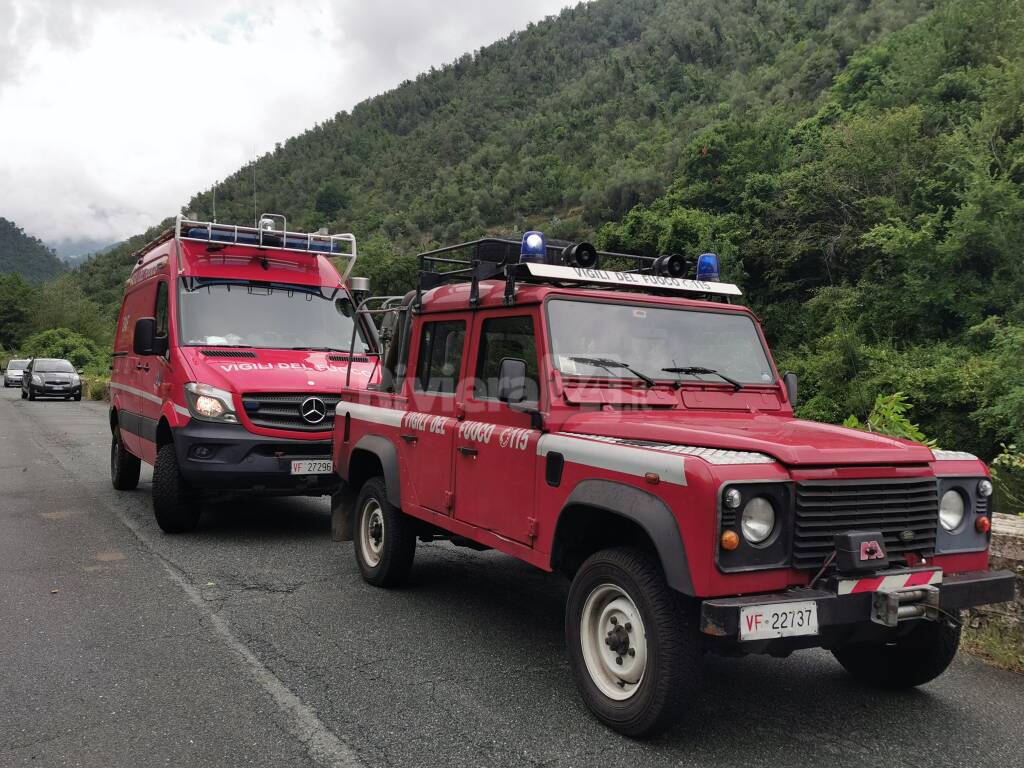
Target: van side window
(503, 337)
(160, 313)
(437, 368)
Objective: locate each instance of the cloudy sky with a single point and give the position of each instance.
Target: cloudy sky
(113, 112)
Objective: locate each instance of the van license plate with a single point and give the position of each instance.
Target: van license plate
(312, 467)
(764, 622)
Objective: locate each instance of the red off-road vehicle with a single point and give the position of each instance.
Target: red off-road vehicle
(630, 429)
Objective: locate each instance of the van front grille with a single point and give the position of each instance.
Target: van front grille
(283, 410)
(905, 510)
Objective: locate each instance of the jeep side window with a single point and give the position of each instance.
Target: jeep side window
(502, 337)
(160, 312)
(437, 368)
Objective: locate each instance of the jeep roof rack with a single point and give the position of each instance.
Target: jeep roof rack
(497, 257)
(266, 236)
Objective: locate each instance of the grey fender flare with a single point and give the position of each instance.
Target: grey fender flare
(385, 451)
(650, 513)
(343, 501)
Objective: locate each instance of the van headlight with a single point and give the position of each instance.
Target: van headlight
(758, 520)
(951, 510)
(210, 403)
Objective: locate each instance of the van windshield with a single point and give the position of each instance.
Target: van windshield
(595, 340)
(239, 313)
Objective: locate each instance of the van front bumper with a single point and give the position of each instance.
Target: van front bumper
(227, 457)
(847, 618)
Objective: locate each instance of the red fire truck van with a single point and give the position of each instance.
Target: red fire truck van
(230, 348)
(627, 427)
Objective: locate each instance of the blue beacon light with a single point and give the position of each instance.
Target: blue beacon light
(533, 249)
(707, 268)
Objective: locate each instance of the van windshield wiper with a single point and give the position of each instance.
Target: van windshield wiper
(608, 365)
(696, 370)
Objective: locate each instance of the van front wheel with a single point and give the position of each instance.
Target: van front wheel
(174, 504)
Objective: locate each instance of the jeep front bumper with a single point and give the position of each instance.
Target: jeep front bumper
(860, 617)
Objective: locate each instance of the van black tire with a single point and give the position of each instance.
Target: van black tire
(124, 467)
(667, 641)
(914, 659)
(174, 504)
(383, 536)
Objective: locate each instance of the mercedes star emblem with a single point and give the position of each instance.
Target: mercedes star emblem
(313, 410)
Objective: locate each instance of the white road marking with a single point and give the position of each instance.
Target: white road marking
(322, 745)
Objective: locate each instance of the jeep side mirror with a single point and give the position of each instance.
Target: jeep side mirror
(790, 382)
(512, 380)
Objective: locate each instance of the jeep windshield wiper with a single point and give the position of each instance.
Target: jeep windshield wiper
(696, 370)
(609, 365)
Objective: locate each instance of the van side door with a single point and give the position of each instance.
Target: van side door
(496, 446)
(429, 425)
(154, 374)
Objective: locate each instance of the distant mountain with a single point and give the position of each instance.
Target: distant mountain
(26, 255)
(74, 252)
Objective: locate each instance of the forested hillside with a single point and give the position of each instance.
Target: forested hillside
(859, 165)
(26, 255)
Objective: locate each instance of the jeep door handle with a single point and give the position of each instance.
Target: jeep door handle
(465, 450)
(410, 438)
(140, 367)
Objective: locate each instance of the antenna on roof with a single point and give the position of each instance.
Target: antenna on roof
(214, 202)
(255, 213)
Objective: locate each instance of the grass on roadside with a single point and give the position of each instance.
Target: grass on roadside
(998, 644)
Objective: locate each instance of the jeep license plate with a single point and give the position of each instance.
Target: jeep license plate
(312, 467)
(765, 622)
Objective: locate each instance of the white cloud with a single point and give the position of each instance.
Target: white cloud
(113, 113)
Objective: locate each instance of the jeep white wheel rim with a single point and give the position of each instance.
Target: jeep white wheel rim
(613, 641)
(371, 532)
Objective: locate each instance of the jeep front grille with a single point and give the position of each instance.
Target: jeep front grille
(906, 511)
(282, 410)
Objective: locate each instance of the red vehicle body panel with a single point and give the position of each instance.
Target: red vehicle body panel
(149, 390)
(477, 469)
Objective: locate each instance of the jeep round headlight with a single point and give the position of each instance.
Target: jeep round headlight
(951, 510)
(985, 488)
(758, 520)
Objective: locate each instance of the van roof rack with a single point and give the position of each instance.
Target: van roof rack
(498, 257)
(271, 234)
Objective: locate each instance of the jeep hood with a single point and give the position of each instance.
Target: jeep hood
(791, 441)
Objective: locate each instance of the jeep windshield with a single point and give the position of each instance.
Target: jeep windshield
(705, 345)
(239, 313)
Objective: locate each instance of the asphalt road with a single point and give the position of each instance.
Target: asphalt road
(253, 642)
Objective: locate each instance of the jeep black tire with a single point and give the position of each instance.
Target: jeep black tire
(914, 659)
(124, 468)
(383, 535)
(174, 505)
(632, 641)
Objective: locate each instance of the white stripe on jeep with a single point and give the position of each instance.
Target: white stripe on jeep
(710, 455)
(389, 417)
(614, 457)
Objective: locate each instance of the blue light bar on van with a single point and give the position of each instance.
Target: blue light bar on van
(533, 249)
(707, 268)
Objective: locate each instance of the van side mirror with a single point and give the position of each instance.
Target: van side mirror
(790, 382)
(512, 380)
(142, 340)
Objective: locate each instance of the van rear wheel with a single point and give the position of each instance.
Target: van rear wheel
(174, 504)
(124, 467)
(384, 539)
(632, 644)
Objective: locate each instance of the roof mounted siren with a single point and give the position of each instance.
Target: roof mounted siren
(670, 265)
(582, 255)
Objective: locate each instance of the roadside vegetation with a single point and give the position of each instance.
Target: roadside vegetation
(858, 166)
